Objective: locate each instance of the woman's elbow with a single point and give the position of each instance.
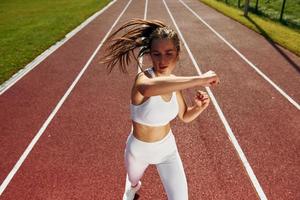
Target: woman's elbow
(185, 120)
(188, 119)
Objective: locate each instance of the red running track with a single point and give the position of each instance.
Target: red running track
(80, 154)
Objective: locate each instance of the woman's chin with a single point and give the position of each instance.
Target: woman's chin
(163, 71)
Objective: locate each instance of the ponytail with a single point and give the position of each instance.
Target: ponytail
(139, 34)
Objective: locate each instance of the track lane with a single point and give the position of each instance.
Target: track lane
(222, 117)
(251, 107)
(26, 105)
(68, 163)
(285, 66)
(64, 158)
(225, 142)
(76, 170)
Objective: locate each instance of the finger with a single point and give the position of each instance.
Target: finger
(205, 103)
(197, 99)
(200, 100)
(204, 100)
(204, 96)
(201, 92)
(199, 95)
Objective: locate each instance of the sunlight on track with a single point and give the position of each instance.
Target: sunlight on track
(231, 135)
(56, 109)
(245, 59)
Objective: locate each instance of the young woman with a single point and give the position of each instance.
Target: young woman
(156, 99)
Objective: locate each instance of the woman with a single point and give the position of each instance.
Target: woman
(156, 99)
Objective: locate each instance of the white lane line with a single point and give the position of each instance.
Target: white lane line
(245, 59)
(146, 8)
(231, 136)
(21, 73)
(53, 113)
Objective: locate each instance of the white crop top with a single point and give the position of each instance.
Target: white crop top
(155, 111)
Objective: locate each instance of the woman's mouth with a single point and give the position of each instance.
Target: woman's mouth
(163, 67)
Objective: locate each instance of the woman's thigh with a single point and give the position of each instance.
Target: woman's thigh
(135, 168)
(173, 177)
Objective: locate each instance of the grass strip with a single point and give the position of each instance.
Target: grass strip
(29, 27)
(274, 32)
(272, 8)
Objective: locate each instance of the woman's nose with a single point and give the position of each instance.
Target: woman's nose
(162, 59)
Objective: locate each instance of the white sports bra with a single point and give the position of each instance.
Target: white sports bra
(155, 111)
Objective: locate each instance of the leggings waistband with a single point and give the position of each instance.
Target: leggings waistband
(169, 134)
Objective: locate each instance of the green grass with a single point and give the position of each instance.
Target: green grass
(272, 8)
(29, 27)
(274, 32)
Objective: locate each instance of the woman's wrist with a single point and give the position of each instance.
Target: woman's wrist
(202, 80)
(199, 108)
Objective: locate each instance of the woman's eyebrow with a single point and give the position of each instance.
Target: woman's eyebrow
(170, 50)
(167, 50)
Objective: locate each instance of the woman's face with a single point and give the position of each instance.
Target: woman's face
(164, 56)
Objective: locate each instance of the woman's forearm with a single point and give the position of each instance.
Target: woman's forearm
(162, 85)
(192, 113)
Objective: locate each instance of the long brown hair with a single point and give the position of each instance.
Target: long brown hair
(139, 33)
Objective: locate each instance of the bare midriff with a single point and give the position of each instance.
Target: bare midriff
(150, 133)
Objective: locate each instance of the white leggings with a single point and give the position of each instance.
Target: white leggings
(164, 154)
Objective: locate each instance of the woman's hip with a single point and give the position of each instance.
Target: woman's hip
(151, 152)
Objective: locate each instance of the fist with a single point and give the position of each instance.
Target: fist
(211, 78)
(201, 99)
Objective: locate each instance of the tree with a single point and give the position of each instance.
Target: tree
(282, 10)
(246, 8)
(256, 6)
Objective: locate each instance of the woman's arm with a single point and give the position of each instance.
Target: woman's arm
(162, 85)
(188, 114)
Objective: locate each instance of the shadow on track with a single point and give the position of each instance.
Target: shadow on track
(262, 31)
(136, 197)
